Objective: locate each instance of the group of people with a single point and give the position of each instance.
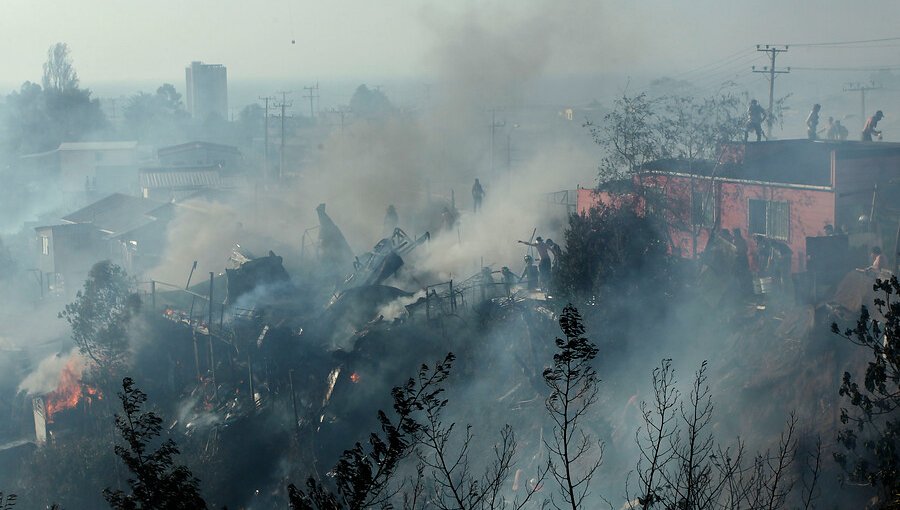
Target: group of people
(542, 275)
(756, 115)
(729, 253)
(836, 131)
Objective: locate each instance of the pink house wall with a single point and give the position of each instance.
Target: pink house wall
(810, 211)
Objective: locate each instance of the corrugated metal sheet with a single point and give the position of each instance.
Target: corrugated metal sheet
(181, 180)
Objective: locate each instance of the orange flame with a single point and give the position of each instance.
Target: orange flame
(70, 390)
(354, 378)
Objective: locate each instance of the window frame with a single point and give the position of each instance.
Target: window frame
(709, 217)
(772, 230)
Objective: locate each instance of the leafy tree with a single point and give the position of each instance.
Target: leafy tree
(369, 103)
(71, 470)
(159, 117)
(694, 129)
(631, 136)
(573, 383)
(100, 316)
(59, 72)
(363, 475)
(251, 122)
(871, 436)
(612, 248)
(40, 118)
(158, 483)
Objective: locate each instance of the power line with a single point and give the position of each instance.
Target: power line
(892, 67)
(726, 60)
(734, 72)
(841, 43)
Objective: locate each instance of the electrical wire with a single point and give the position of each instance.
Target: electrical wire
(892, 67)
(842, 43)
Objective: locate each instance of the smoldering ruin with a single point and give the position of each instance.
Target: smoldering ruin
(550, 269)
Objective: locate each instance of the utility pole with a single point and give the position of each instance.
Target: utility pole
(312, 93)
(266, 139)
(509, 147)
(342, 113)
(283, 104)
(494, 126)
(862, 88)
(770, 69)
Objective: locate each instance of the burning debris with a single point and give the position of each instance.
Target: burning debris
(70, 392)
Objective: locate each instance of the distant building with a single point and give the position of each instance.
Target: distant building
(78, 167)
(207, 90)
(227, 157)
(168, 184)
(128, 230)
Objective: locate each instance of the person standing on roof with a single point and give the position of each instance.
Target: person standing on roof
(477, 195)
(812, 122)
(391, 220)
(871, 124)
(544, 252)
(831, 130)
(755, 117)
(840, 131)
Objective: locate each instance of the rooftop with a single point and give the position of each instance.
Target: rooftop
(198, 145)
(797, 162)
(181, 177)
(117, 213)
(97, 146)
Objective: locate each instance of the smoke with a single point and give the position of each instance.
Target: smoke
(421, 162)
(45, 376)
(485, 64)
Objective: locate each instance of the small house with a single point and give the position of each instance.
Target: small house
(786, 191)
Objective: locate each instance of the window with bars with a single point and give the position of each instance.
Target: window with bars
(771, 219)
(703, 208)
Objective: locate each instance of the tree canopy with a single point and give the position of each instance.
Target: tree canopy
(38, 118)
(100, 315)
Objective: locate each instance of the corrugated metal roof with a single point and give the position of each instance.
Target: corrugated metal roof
(97, 146)
(180, 179)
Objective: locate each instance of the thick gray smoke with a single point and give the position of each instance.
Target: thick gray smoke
(416, 160)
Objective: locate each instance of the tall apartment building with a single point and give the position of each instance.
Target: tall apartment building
(207, 90)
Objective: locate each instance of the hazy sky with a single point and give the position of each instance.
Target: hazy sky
(132, 40)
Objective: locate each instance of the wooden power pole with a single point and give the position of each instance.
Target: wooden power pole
(770, 69)
(283, 104)
(862, 88)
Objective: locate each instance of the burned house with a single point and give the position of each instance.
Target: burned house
(128, 230)
(784, 192)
